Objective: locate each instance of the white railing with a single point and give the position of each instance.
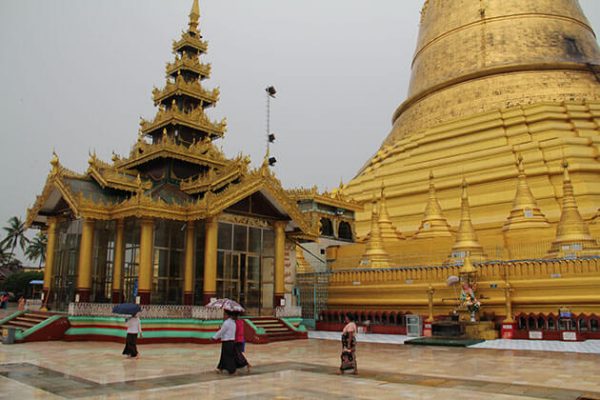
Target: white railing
(33, 305)
(148, 311)
(288, 311)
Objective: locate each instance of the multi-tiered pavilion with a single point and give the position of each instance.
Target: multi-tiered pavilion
(175, 221)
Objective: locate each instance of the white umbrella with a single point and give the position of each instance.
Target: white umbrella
(452, 280)
(226, 304)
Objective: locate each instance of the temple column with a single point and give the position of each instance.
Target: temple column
(49, 266)
(430, 292)
(188, 275)
(84, 269)
(210, 259)
(146, 252)
(508, 304)
(117, 290)
(279, 277)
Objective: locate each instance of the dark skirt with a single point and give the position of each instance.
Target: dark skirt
(131, 345)
(231, 359)
(348, 356)
(239, 354)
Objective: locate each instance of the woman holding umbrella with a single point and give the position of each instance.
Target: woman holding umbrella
(230, 361)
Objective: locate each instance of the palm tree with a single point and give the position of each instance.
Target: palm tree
(15, 235)
(37, 248)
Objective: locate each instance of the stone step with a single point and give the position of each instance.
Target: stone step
(22, 324)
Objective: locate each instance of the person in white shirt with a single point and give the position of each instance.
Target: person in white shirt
(228, 360)
(134, 328)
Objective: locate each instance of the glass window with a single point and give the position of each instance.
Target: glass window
(224, 236)
(255, 240)
(240, 237)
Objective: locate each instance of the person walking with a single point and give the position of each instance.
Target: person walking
(22, 303)
(240, 341)
(348, 355)
(134, 328)
(228, 361)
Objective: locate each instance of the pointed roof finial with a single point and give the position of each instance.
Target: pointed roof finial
(434, 223)
(466, 238)
(194, 17)
(54, 161)
(572, 233)
(386, 228)
(375, 255)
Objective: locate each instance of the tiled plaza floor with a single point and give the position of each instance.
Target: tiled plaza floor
(304, 369)
(589, 346)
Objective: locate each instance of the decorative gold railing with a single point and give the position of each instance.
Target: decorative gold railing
(518, 270)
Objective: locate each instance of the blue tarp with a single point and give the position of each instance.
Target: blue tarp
(126, 308)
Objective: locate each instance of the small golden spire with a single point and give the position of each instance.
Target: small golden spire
(466, 238)
(572, 233)
(387, 230)
(54, 162)
(467, 267)
(525, 212)
(375, 255)
(302, 266)
(434, 223)
(194, 17)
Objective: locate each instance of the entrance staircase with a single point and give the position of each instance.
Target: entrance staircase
(32, 326)
(271, 329)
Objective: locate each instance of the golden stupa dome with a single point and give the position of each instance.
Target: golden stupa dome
(477, 56)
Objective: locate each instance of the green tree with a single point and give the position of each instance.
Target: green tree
(18, 283)
(15, 235)
(36, 249)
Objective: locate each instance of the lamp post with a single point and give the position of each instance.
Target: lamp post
(270, 92)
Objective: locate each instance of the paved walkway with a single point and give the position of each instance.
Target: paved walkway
(589, 346)
(301, 369)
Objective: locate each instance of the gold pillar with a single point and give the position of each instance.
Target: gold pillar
(49, 266)
(508, 304)
(210, 259)
(279, 227)
(146, 252)
(84, 269)
(188, 275)
(430, 292)
(117, 276)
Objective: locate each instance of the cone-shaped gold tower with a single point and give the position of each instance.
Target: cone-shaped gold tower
(572, 234)
(466, 239)
(302, 266)
(434, 223)
(375, 255)
(491, 78)
(387, 230)
(525, 212)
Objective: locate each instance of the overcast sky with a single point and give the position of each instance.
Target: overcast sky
(78, 74)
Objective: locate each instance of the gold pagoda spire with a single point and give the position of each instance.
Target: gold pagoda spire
(572, 233)
(387, 230)
(525, 212)
(194, 18)
(434, 223)
(375, 255)
(466, 239)
(302, 266)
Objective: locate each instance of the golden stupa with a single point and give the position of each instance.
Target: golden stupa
(492, 82)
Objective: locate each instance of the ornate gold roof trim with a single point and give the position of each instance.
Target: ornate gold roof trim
(181, 86)
(195, 119)
(190, 64)
(214, 180)
(202, 153)
(339, 201)
(190, 41)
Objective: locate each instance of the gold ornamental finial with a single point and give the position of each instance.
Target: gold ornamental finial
(54, 161)
(387, 230)
(375, 255)
(434, 223)
(525, 212)
(467, 267)
(466, 238)
(572, 233)
(194, 17)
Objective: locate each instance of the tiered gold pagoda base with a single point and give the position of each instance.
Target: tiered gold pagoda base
(481, 330)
